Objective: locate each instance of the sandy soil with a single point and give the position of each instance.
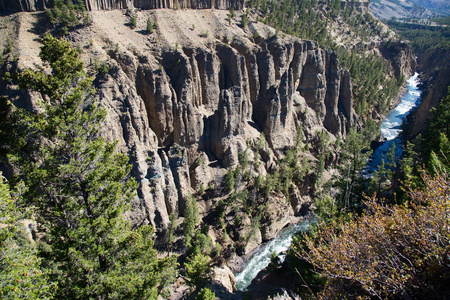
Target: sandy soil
(29, 41)
(110, 30)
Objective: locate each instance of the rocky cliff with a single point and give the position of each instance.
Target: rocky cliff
(434, 68)
(184, 101)
(24, 5)
(35, 5)
(401, 56)
(208, 97)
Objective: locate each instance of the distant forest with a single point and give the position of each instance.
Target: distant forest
(424, 37)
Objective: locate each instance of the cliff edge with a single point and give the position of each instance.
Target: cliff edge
(91, 5)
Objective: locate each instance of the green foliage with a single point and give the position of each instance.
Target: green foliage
(170, 234)
(21, 275)
(244, 20)
(367, 72)
(149, 28)
(133, 21)
(229, 181)
(232, 13)
(309, 19)
(67, 13)
(423, 38)
(409, 165)
(439, 124)
(254, 226)
(439, 161)
(102, 68)
(205, 294)
(383, 177)
(355, 153)
(198, 270)
(312, 20)
(191, 218)
(220, 209)
(442, 20)
(9, 45)
(274, 263)
(320, 167)
(79, 187)
(435, 147)
(326, 208)
(243, 159)
(200, 244)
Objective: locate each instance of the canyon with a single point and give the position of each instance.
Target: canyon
(187, 100)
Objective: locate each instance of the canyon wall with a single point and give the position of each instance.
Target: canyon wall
(36, 5)
(401, 56)
(24, 5)
(434, 68)
(185, 114)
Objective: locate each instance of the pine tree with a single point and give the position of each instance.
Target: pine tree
(229, 181)
(133, 21)
(149, 26)
(21, 276)
(191, 218)
(436, 139)
(244, 20)
(205, 294)
(355, 153)
(198, 270)
(80, 187)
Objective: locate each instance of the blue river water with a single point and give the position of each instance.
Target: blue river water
(261, 258)
(391, 125)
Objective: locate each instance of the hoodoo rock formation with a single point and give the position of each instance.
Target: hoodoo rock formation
(181, 106)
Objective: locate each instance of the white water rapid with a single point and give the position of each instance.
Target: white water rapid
(261, 258)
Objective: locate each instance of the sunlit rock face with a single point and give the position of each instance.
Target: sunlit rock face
(35, 5)
(213, 102)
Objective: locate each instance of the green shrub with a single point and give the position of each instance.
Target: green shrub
(133, 22)
(244, 20)
(67, 14)
(149, 26)
(205, 294)
(198, 269)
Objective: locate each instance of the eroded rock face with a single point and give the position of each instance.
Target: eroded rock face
(171, 107)
(36, 5)
(24, 5)
(402, 58)
(224, 277)
(183, 108)
(435, 70)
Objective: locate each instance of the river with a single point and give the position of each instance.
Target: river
(261, 258)
(391, 126)
(390, 131)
